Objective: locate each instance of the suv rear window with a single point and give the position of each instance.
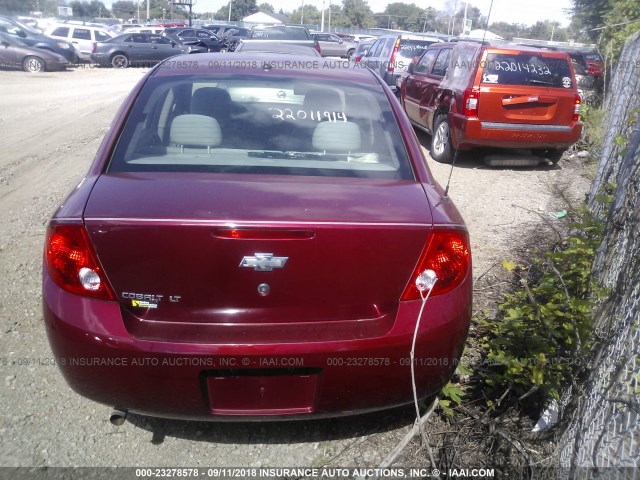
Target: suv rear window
(526, 69)
(593, 57)
(251, 124)
(280, 33)
(412, 48)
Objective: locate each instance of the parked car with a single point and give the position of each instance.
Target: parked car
(138, 49)
(14, 53)
(194, 36)
(390, 55)
(276, 47)
(590, 58)
(333, 46)
(37, 40)
(355, 38)
(475, 94)
(232, 38)
(291, 34)
(256, 242)
(148, 29)
(361, 50)
(221, 29)
(81, 36)
(585, 81)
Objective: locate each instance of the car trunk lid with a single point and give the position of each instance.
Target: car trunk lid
(194, 249)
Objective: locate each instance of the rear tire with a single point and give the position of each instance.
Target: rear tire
(552, 154)
(33, 65)
(350, 52)
(119, 61)
(441, 147)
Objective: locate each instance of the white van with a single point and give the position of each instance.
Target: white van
(81, 36)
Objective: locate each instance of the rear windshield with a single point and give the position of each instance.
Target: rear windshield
(285, 33)
(251, 124)
(412, 48)
(526, 69)
(593, 57)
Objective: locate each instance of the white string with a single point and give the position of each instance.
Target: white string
(413, 347)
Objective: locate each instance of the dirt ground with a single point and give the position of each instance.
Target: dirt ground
(50, 128)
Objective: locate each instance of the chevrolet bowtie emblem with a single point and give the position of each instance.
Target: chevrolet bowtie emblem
(263, 262)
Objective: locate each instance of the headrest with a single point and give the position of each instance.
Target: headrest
(323, 99)
(210, 101)
(195, 131)
(337, 137)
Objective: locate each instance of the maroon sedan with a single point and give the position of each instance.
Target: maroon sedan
(255, 238)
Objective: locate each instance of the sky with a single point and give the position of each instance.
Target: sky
(526, 12)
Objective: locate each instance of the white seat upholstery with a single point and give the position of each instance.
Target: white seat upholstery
(341, 137)
(195, 132)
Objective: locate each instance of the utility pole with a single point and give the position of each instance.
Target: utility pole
(230, 3)
(322, 18)
(148, 9)
(464, 22)
(302, 14)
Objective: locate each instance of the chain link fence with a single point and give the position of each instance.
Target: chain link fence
(603, 435)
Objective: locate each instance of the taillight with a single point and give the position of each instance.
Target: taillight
(447, 253)
(392, 60)
(316, 45)
(470, 102)
(358, 58)
(576, 108)
(72, 264)
(94, 47)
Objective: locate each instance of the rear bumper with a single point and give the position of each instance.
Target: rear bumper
(472, 132)
(101, 59)
(102, 361)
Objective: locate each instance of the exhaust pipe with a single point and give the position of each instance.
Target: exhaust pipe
(118, 417)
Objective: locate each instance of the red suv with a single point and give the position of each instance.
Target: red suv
(475, 94)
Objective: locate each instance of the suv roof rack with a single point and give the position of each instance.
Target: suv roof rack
(474, 40)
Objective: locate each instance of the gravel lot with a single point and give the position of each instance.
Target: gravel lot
(50, 128)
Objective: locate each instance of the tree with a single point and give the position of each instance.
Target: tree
(93, 9)
(267, 8)
(124, 9)
(588, 14)
(311, 15)
(509, 31)
(19, 7)
(357, 13)
(239, 10)
(399, 15)
(548, 30)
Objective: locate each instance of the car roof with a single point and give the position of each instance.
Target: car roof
(277, 47)
(502, 45)
(279, 64)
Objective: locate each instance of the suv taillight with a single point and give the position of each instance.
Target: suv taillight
(576, 108)
(72, 264)
(392, 60)
(94, 47)
(316, 45)
(447, 253)
(470, 102)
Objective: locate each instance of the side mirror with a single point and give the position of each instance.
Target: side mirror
(21, 33)
(173, 44)
(410, 68)
(340, 41)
